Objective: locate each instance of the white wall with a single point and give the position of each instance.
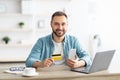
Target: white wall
(78, 21)
(106, 22)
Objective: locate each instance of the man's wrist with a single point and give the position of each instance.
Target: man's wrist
(37, 64)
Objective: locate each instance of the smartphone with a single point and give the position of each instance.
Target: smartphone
(72, 53)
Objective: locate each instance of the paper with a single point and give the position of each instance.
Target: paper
(16, 70)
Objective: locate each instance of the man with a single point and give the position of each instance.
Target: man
(57, 42)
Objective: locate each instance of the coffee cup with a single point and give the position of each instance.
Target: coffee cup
(29, 72)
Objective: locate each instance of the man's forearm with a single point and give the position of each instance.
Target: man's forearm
(46, 63)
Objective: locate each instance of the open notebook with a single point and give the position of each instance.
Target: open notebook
(100, 62)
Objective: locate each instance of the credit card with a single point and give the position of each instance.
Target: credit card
(56, 57)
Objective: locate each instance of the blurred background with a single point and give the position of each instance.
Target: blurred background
(94, 22)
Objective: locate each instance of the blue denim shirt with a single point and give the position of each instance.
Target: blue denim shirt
(44, 49)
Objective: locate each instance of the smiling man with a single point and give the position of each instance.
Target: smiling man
(54, 49)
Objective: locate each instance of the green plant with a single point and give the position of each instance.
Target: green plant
(21, 24)
(6, 39)
(96, 36)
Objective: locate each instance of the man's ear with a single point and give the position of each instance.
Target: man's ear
(51, 24)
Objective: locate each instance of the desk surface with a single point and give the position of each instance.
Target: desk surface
(61, 73)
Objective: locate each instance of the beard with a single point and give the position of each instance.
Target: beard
(59, 33)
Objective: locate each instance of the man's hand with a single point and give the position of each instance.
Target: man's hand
(46, 63)
(75, 63)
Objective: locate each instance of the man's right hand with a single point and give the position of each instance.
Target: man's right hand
(46, 63)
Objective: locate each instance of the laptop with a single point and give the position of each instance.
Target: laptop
(100, 62)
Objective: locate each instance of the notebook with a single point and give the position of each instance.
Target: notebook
(100, 62)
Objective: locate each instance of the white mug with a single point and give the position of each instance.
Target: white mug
(29, 71)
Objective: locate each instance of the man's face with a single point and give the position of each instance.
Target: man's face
(59, 25)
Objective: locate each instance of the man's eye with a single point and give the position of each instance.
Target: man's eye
(63, 24)
(56, 24)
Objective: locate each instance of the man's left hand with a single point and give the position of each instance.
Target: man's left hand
(75, 63)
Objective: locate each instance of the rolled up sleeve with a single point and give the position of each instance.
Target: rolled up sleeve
(34, 55)
(82, 54)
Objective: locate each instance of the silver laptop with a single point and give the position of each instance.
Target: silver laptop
(100, 62)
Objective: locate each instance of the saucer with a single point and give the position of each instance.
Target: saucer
(28, 75)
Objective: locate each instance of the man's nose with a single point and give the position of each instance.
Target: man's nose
(60, 26)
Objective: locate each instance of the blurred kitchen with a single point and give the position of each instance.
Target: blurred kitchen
(94, 22)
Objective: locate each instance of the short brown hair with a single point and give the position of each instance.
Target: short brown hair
(58, 13)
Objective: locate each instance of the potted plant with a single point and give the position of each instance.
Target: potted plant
(21, 24)
(6, 39)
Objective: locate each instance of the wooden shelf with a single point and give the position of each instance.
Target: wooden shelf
(14, 14)
(44, 29)
(17, 30)
(15, 45)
